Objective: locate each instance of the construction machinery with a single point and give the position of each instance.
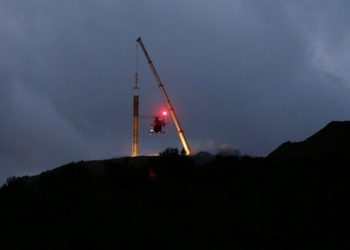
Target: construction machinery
(166, 98)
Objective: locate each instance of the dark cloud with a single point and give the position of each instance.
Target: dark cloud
(250, 74)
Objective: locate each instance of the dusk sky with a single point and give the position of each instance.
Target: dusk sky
(241, 74)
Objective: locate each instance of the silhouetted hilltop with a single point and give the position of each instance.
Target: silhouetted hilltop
(333, 141)
(75, 171)
(296, 197)
(203, 158)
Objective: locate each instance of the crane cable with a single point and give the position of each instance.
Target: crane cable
(136, 65)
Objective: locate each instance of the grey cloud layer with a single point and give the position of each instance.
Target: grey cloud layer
(250, 74)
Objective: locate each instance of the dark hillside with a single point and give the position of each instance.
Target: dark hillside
(333, 141)
(284, 201)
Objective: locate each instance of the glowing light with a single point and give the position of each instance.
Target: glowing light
(151, 174)
(164, 113)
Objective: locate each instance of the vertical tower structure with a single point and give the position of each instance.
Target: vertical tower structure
(135, 127)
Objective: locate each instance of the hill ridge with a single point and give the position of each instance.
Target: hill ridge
(333, 140)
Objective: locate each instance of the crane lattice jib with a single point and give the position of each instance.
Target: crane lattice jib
(167, 101)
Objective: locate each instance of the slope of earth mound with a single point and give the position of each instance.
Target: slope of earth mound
(333, 141)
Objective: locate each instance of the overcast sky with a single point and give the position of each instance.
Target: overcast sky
(241, 74)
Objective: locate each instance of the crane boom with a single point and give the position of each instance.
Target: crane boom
(165, 96)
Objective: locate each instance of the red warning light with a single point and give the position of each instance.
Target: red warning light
(164, 113)
(151, 174)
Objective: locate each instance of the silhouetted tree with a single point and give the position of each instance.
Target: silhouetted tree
(170, 152)
(11, 180)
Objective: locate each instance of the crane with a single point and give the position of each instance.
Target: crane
(165, 96)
